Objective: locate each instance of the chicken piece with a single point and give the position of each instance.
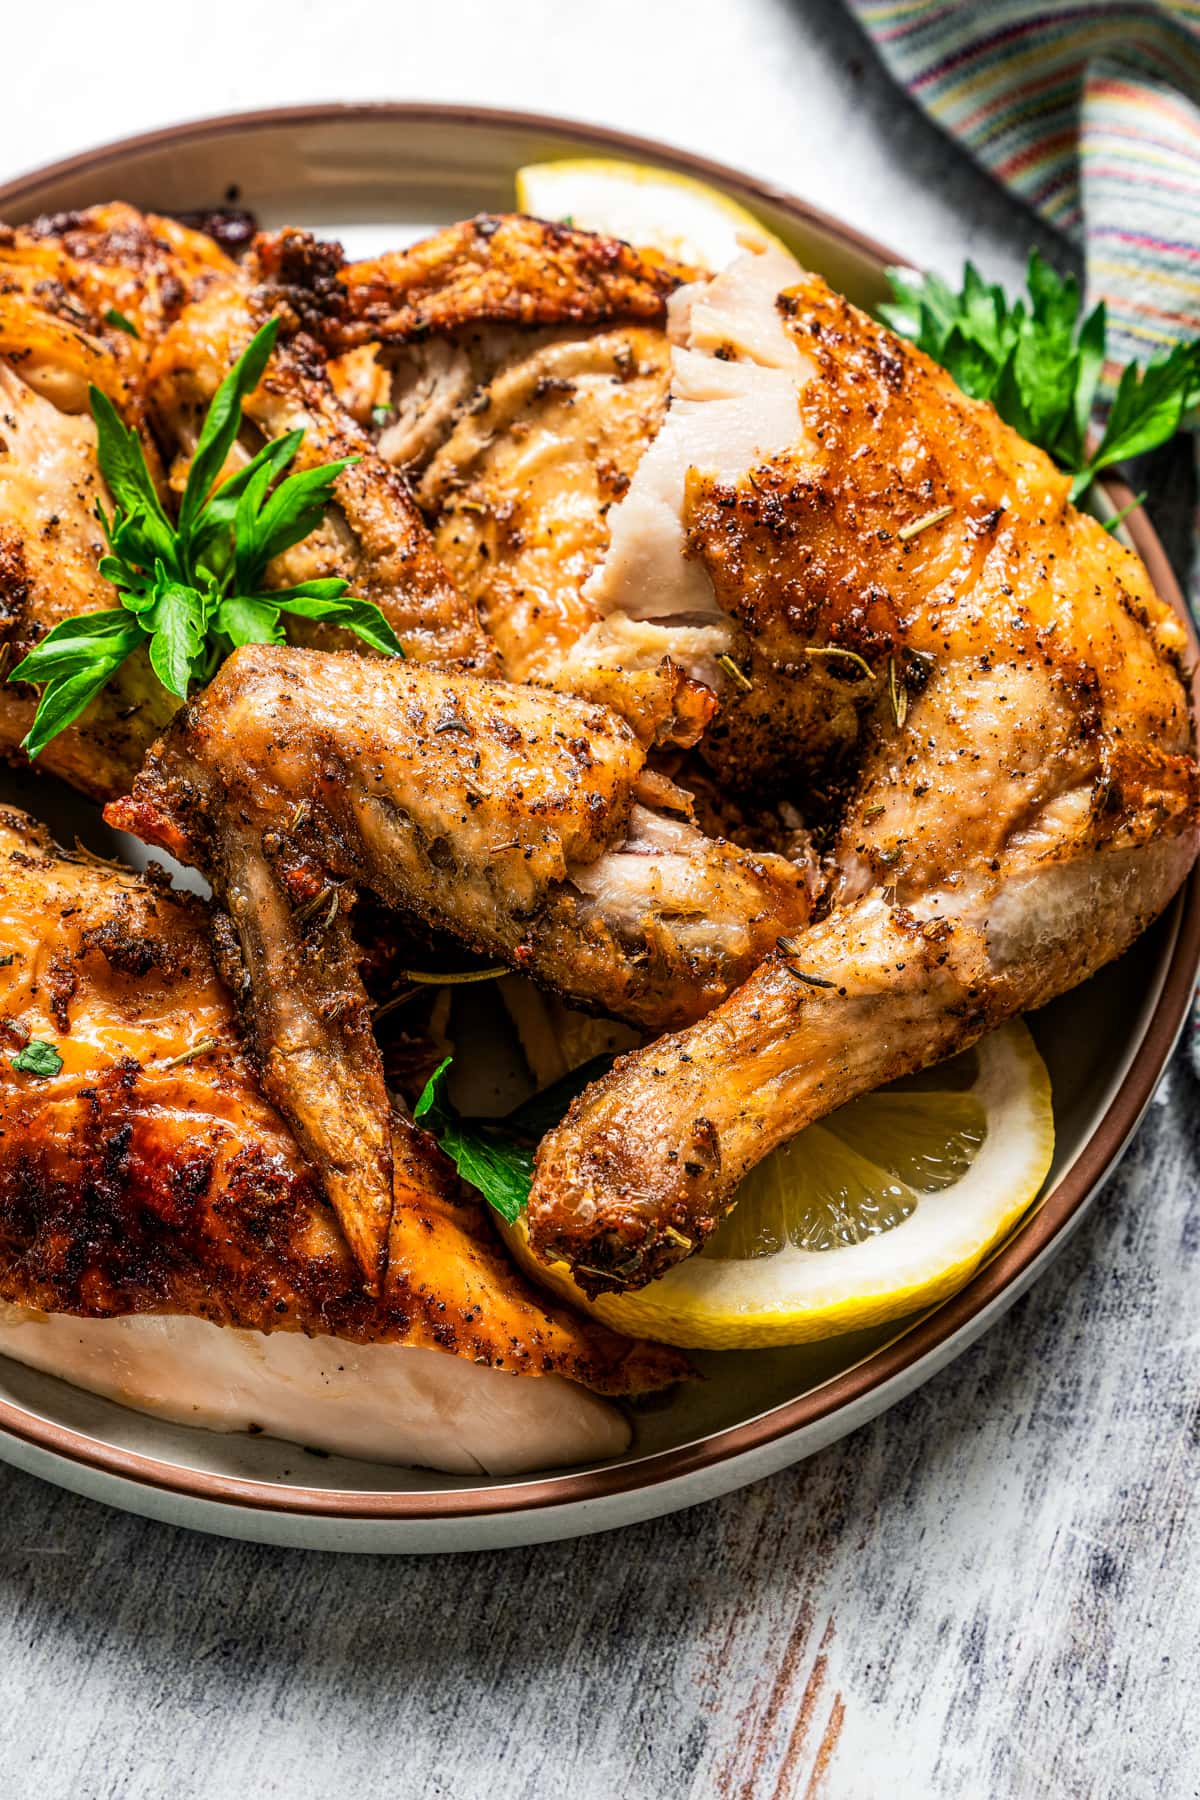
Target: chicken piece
(51, 543)
(528, 372)
(521, 492)
(1019, 793)
(150, 1177)
(504, 815)
(374, 537)
(497, 268)
(113, 257)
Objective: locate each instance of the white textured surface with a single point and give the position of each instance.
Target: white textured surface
(992, 1591)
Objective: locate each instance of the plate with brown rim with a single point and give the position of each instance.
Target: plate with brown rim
(381, 175)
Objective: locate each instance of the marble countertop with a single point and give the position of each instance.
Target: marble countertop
(990, 1591)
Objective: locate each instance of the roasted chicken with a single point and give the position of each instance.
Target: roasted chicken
(374, 536)
(522, 369)
(57, 337)
(154, 314)
(507, 816)
(150, 1175)
(1017, 789)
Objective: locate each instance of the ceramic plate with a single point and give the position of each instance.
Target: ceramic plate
(377, 176)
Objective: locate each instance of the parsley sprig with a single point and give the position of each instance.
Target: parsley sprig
(1040, 366)
(495, 1156)
(191, 591)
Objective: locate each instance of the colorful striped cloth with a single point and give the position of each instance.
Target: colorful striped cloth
(1091, 113)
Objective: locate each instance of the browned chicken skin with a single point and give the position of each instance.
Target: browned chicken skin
(63, 284)
(1022, 794)
(503, 814)
(524, 369)
(150, 1175)
(498, 268)
(55, 340)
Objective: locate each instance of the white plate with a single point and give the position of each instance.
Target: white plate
(377, 176)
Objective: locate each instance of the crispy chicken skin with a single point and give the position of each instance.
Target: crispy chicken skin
(1021, 790)
(506, 815)
(144, 266)
(524, 367)
(498, 268)
(51, 348)
(139, 1181)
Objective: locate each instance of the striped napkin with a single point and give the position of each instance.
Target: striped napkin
(1091, 114)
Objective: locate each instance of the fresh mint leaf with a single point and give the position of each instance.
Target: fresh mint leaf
(222, 423)
(37, 1058)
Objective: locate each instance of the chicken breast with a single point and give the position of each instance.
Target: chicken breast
(1009, 786)
(148, 1188)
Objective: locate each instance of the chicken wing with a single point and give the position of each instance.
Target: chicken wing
(1015, 792)
(149, 1175)
(505, 815)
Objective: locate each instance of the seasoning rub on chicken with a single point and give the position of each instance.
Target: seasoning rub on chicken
(1018, 790)
(150, 1193)
(524, 822)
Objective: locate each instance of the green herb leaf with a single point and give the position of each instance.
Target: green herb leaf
(113, 317)
(289, 514)
(75, 660)
(37, 1058)
(174, 582)
(1040, 367)
(177, 619)
(535, 1117)
(222, 424)
(362, 617)
(501, 1169)
(245, 620)
(1148, 406)
(140, 530)
(219, 513)
(488, 1154)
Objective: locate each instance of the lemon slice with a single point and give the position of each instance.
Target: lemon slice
(884, 1208)
(653, 209)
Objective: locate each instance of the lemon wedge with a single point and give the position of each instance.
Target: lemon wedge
(882, 1209)
(653, 209)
